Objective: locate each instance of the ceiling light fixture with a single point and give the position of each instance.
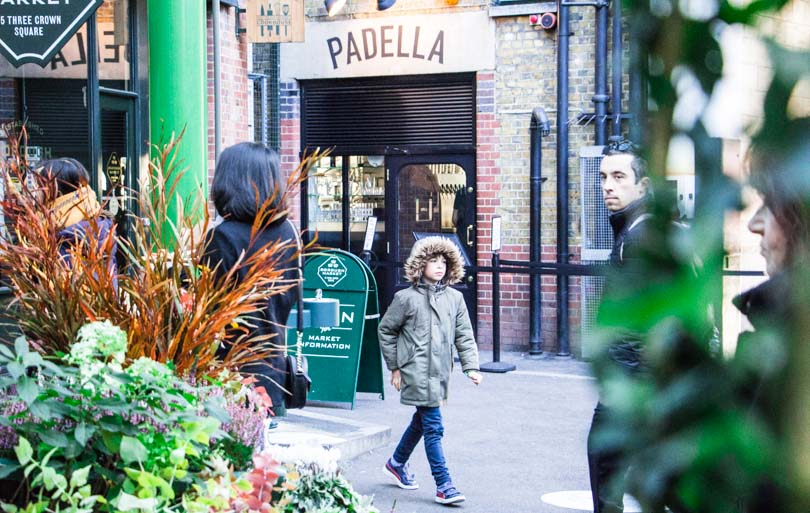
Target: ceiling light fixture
(334, 6)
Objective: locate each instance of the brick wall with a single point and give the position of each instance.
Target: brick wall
(236, 90)
(290, 121)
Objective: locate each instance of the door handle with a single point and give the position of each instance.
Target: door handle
(469, 232)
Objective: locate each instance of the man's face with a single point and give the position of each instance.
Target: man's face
(619, 186)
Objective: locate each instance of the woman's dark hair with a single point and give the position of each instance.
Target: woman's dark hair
(246, 176)
(69, 174)
(780, 170)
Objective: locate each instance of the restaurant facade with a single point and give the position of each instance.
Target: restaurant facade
(441, 117)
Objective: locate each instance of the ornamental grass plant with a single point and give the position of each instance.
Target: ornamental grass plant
(173, 308)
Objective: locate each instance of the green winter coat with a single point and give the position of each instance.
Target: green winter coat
(423, 323)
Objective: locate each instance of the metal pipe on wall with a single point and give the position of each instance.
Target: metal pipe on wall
(616, 61)
(538, 128)
(215, 5)
(601, 97)
(563, 34)
(638, 90)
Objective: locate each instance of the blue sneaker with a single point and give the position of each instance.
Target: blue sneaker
(399, 473)
(449, 495)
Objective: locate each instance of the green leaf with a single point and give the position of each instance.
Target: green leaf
(83, 433)
(79, 477)
(21, 346)
(15, 369)
(23, 451)
(132, 450)
(27, 389)
(8, 467)
(127, 502)
(112, 441)
(32, 360)
(6, 352)
(214, 408)
(54, 438)
(49, 478)
(40, 410)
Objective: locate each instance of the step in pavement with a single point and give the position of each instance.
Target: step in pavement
(353, 438)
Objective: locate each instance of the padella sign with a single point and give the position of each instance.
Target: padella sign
(34, 30)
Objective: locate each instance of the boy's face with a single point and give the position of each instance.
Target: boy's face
(619, 185)
(435, 269)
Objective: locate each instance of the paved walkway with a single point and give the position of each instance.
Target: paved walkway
(509, 442)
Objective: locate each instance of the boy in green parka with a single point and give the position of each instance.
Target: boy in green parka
(416, 337)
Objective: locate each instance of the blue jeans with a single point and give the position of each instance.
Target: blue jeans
(427, 423)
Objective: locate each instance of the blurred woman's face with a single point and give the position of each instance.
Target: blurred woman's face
(774, 241)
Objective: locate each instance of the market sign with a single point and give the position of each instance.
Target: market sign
(275, 21)
(32, 31)
(70, 61)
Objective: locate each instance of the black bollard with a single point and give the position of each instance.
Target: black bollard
(496, 365)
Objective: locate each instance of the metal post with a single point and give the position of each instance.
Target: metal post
(539, 127)
(563, 34)
(178, 95)
(217, 80)
(600, 97)
(616, 103)
(496, 365)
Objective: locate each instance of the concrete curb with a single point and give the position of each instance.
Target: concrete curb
(351, 437)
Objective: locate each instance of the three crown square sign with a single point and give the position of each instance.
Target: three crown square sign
(34, 30)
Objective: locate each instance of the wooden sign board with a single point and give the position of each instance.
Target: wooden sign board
(275, 21)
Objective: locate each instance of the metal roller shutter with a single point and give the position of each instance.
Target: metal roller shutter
(425, 110)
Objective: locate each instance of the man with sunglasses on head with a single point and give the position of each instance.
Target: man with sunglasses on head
(626, 192)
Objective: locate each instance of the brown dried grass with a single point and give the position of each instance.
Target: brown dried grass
(173, 308)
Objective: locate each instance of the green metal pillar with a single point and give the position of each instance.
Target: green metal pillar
(178, 88)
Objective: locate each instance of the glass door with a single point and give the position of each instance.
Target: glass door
(118, 178)
(432, 195)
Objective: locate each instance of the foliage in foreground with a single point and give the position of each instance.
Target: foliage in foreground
(700, 432)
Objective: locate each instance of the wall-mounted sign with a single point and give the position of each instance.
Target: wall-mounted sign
(275, 21)
(385, 46)
(114, 169)
(34, 30)
(70, 61)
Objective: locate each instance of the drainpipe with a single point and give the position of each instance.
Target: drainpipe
(539, 128)
(563, 33)
(600, 97)
(638, 89)
(217, 83)
(616, 103)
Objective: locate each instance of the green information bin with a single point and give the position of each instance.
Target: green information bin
(344, 359)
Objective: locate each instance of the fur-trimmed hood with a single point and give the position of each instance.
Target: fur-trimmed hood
(424, 249)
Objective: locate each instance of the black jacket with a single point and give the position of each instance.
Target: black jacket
(629, 231)
(224, 244)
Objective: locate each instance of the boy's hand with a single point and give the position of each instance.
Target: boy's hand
(475, 376)
(396, 379)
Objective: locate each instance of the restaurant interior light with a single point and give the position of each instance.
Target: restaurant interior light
(334, 6)
(385, 4)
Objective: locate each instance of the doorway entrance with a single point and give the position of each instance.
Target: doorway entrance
(433, 195)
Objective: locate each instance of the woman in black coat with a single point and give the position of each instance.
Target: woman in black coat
(778, 309)
(246, 177)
